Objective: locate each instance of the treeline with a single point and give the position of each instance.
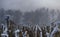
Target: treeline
(39, 16)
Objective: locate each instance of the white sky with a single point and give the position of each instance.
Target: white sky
(27, 5)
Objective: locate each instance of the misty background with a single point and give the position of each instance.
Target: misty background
(30, 11)
(29, 5)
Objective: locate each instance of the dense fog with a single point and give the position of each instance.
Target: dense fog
(39, 16)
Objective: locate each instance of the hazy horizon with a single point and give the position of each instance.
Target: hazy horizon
(29, 5)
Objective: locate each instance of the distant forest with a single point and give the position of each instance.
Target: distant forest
(39, 16)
